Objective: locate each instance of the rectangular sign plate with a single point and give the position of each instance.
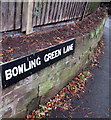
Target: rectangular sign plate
(19, 69)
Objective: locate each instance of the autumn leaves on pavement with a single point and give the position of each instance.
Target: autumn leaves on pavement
(62, 100)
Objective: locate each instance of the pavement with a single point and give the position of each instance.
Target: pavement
(94, 103)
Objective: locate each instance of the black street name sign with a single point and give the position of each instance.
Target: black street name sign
(19, 69)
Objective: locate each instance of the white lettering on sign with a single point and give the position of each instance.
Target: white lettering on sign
(27, 67)
(68, 48)
(20, 69)
(8, 74)
(52, 55)
(15, 71)
(31, 64)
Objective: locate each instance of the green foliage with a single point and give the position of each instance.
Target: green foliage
(42, 107)
(37, 8)
(82, 77)
(84, 73)
(93, 6)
